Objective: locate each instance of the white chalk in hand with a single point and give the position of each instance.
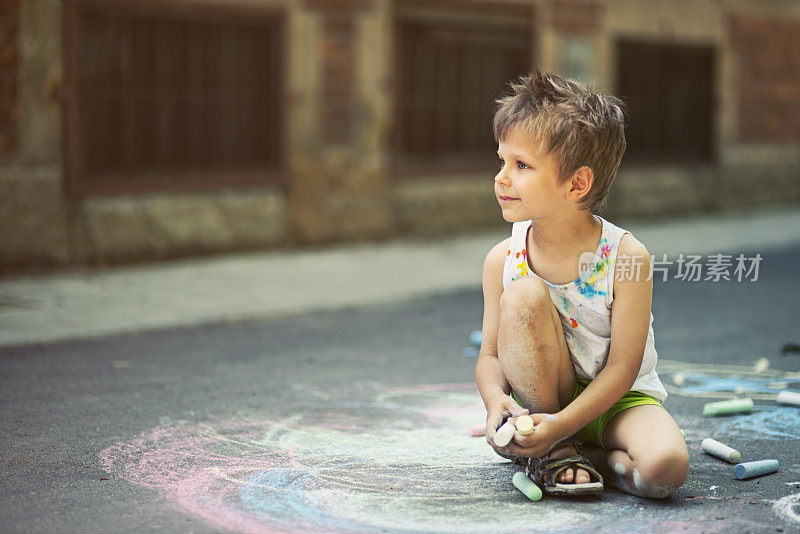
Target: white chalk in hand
(721, 451)
(504, 434)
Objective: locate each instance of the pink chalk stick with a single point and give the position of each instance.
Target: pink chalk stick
(477, 431)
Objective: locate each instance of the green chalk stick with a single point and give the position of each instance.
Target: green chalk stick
(526, 486)
(728, 407)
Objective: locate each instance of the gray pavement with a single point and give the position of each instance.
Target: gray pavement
(352, 415)
(252, 286)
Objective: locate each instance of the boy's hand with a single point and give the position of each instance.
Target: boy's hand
(506, 408)
(547, 432)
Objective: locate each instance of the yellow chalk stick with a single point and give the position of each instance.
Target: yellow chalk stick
(524, 425)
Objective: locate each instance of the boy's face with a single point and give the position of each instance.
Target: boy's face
(527, 185)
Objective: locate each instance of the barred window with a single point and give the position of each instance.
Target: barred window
(167, 95)
(453, 60)
(668, 89)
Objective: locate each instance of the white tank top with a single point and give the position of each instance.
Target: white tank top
(585, 307)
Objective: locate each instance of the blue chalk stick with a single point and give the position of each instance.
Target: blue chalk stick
(476, 337)
(754, 469)
(469, 352)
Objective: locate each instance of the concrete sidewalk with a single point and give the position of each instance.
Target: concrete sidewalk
(251, 286)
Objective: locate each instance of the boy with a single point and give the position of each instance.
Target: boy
(551, 345)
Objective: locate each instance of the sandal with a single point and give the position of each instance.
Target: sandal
(545, 470)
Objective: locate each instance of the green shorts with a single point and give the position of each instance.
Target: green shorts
(593, 432)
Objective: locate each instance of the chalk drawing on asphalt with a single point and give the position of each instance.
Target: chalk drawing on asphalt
(789, 508)
(725, 381)
(397, 460)
(770, 423)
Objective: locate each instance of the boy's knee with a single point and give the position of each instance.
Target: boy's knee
(661, 473)
(524, 297)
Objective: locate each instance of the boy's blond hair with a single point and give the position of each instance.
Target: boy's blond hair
(579, 126)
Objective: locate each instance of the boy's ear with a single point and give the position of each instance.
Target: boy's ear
(580, 183)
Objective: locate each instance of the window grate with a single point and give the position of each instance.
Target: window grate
(450, 70)
(174, 96)
(668, 90)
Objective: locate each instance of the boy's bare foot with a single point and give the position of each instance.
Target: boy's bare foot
(569, 476)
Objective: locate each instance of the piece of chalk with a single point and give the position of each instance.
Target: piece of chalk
(477, 431)
(526, 486)
(788, 397)
(524, 425)
(475, 337)
(683, 433)
(504, 434)
(469, 352)
(755, 469)
(761, 365)
(721, 451)
(728, 407)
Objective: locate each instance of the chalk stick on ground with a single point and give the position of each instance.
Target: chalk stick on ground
(469, 352)
(761, 365)
(728, 407)
(477, 431)
(524, 424)
(789, 398)
(475, 337)
(755, 469)
(526, 486)
(683, 433)
(504, 434)
(721, 451)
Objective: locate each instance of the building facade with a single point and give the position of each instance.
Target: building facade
(146, 129)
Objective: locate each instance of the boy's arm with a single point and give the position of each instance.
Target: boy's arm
(492, 384)
(630, 323)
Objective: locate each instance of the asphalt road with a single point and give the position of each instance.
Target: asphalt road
(356, 421)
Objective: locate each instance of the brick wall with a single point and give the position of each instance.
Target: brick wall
(338, 75)
(575, 16)
(9, 65)
(768, 78)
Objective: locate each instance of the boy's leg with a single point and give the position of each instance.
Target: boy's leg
(534, 356)
(647, 453)
(531, 347)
